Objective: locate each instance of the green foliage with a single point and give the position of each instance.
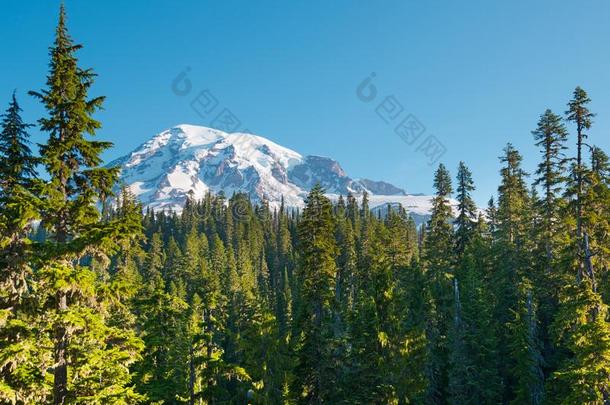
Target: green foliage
(581, 327)
(439, 261)
(315, 344)
(235, 302)
(467, 216)
(23, 360)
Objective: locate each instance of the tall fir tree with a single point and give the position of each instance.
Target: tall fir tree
(550, 136)
(526, 351)
(467, 215)
(578, 112)
(317, 270)
(439, 262)
(23, 358)
(76, 184)
(477, 325)
(550, 234)
(581, 328)
(18, 204)
(512, 254)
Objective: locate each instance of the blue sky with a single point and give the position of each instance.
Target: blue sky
(475, 74)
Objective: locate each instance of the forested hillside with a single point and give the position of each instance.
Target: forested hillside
(230, 302)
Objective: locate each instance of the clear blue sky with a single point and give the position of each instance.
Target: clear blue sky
(477, 74)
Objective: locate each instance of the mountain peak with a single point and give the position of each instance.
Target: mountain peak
(189, 159)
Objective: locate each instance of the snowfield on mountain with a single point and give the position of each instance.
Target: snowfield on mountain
(188, 159)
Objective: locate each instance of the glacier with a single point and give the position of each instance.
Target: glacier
(189, 160)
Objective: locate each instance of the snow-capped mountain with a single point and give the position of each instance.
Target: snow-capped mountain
(192, 159)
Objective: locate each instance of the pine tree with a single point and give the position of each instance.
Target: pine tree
(526, 351)
(124, 280)
(18, 205)
(196, 349)
(512, 253)
(212, 366)
(513, 200)
(345, 286)
(85, 348)
(596, 218)
(550, 233)
(282, 277)
(416, 308)
(581, 328)
(23, 358)
(467, 215)
(316, 272)
(550, 136)
(381, 341)
(439, 262)
(18, 164)
(492, 216)
(458, 357)
(578, 112)
(480, 361)
(162, 318)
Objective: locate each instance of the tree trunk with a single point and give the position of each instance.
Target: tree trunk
(588, 262)
(192, 375)
(60, 383)
(579, 200)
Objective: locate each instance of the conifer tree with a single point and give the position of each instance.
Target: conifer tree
(467, 216)
(160, 375)
(381, 342)
(526, 351)
(317, 272)
(596, 218)
(439, 262)
(370, 376)
(76, 183)
(458, 357)
(417, 310)
(23, 359)
(479, 355)
(123, 281)
(550, 136)
(578, 112)
(18, 205)
(345, 286)
(581, 327)
(18, 164)
(283, 275)
(512, 252)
